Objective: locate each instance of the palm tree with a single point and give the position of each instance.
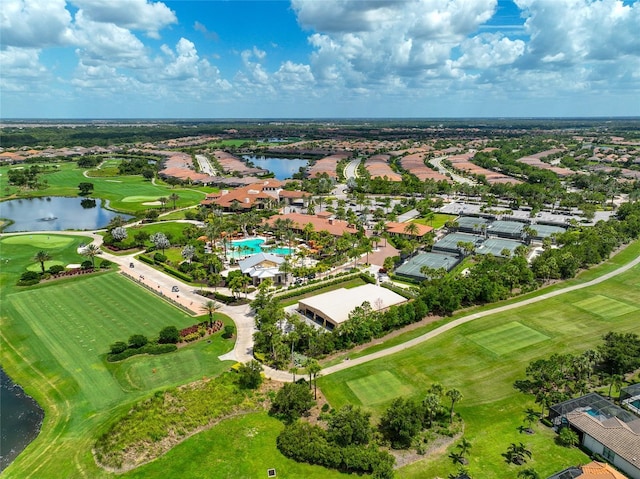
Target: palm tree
(313, 368)
(531, 416)
(615, 380)
(464, 446)
(91, 251)
(455, 396)
(529, 473)
(163, 201)
(457, 458)
(517, 453)
(174, 197)
(41, 257)
(210, 307)
(412, 229)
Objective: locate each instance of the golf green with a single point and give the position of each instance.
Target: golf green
(378, 388)
(605, 307)
(139, 199)
(47, 265)
(39, 241)
(507, 338)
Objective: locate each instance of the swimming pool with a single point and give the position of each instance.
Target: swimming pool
(247, 247)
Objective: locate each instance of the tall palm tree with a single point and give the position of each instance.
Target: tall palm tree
(454, 395)
(91, 251)
(314, 368)
(210, 307)
(412, 229)
(41, 257)
(174, 197)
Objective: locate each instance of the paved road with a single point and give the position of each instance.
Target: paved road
(437, 162)
(351, 170)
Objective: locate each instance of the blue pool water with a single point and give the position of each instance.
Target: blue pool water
(241, 248)
(636, 403)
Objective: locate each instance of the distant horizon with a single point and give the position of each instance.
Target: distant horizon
(315, 119)
(302, 59)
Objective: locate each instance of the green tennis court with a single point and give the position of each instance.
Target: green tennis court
(507, 338)
(378, 388)
(605, 307)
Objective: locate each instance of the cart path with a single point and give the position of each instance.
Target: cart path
(465, 319)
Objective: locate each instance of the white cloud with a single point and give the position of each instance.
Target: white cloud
(294, 76)
(358, 43)
(109, 44)
(489, 50)
(574, 31)
(21, 67)
(35, 23)
(143, 15)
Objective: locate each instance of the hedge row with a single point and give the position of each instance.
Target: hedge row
(146, 349)
(146, 259)
(339, 278)
(177, 274)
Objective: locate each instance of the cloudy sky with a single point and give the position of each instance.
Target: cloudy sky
(319, 58)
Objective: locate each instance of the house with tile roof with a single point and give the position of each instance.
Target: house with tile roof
(604, 429)
(593, 470)
(320, 222)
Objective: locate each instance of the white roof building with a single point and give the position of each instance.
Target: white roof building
(333, 308)
(262, 266)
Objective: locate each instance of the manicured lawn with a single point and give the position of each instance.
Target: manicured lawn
(53, 340)
(507, 338)
(379, 388)
(438, 221)
(241, 447)
(125, 193)
(475, 359)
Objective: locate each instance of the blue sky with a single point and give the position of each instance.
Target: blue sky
(319, 58)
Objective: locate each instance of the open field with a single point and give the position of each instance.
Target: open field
(241, 447)
(438, 221)
(473, 359)
(53, 340)
(379, 388)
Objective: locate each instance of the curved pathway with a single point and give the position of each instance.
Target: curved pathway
(245, 324)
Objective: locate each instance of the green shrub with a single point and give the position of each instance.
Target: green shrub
(169, 335)
(56, 268)
(228, 331)
(176, 273)
(137, 341)
(86, 264)
(105, 264)
(29, 278)
(145, 259)
(159, 258)
(118, 347)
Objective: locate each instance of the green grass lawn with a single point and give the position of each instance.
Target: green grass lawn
(125, 193)
(53, 340)
(482, 359)
(239, 448)
(379, 388)
(438, 221)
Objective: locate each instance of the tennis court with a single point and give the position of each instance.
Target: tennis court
(545, 231)
(496, 246)
(472, 224)
(411, 268)
(506, 229)
(450, 242)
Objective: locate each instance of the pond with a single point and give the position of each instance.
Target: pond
(20, 420)
(282, 168)
(56, 213)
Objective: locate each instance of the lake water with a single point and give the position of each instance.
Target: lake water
(282, 168)
(20, 420)
(55, 213)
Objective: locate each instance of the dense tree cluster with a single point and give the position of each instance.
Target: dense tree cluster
(564, 376)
